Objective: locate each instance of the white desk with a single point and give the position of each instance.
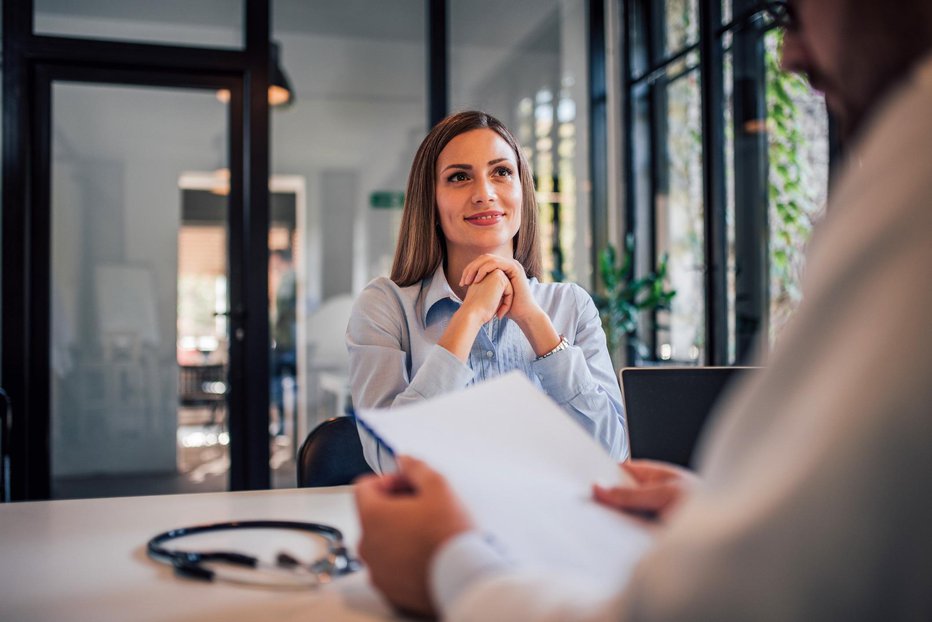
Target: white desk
(86, 560)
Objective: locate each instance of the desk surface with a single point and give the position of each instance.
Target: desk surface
(86, 560)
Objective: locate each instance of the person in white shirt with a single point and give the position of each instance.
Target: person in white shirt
(814, 494)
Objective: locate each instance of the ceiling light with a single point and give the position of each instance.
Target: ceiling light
(280, 91)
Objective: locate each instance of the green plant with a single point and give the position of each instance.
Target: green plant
(625, 296)
(797, 143)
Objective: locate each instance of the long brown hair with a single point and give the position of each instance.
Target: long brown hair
(421, 246)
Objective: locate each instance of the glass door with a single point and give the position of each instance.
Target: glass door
(138, 284)
(340, 155)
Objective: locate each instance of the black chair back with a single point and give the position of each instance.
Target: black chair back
(331, 455)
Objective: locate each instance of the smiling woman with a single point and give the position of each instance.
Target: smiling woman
(464, 302)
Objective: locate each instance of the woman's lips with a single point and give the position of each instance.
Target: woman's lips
(485, 219)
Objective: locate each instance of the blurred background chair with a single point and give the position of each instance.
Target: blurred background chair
(203, 387)
(331, 455)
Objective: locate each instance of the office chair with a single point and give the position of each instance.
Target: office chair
(204, 386)
(331, 455)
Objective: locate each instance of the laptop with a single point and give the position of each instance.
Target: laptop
(667, 407)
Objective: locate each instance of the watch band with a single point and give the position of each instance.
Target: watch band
(563, 345)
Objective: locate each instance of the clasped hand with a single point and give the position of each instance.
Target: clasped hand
(490, 274)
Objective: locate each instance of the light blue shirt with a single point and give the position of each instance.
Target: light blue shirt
(394, 358)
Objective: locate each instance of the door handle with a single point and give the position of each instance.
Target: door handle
(233, 315)
(237, 318)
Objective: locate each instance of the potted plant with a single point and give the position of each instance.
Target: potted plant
(626, 297)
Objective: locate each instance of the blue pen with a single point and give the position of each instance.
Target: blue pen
(382, 444)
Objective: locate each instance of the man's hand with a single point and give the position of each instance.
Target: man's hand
(659, 487)
(405, 518)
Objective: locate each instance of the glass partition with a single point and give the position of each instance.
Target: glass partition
(679, 218)
(340, 158)
(525, 62)
(202, 23)
(138, 291)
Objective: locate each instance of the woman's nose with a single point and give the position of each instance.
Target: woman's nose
(484, 192)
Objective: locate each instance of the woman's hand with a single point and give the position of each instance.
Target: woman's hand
(405, 519)
(489, 297)
(484, 300)
(659, 488)
(522, 308)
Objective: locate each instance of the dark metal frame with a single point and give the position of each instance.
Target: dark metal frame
(750, 199)
(32, 64)
(598, 134)
(656, 73)
(751, 166)
(713, 183)
(438, 70)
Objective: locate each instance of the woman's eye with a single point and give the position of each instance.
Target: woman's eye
(457, 177)
(503, 171)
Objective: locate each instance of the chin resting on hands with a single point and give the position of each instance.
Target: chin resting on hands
(492, 296)
(476, 271)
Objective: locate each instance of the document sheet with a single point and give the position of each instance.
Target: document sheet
(524, 469)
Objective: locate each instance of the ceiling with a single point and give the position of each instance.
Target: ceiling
(472, 22)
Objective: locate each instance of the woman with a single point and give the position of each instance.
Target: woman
(464, 303)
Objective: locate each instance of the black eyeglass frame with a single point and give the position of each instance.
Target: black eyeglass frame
(764, 17)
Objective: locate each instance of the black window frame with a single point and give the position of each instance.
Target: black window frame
(32, 62)
(642, 32)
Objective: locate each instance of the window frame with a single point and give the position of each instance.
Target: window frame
(731, 323)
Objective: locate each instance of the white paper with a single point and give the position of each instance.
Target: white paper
(525, 470)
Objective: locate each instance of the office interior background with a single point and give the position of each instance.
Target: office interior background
(194, 191)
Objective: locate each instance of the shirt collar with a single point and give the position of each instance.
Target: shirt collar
(437, 291)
